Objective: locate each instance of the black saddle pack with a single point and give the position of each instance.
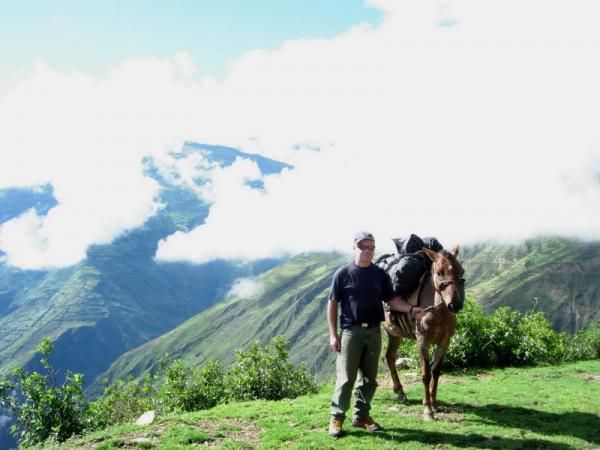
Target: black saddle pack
(407, 266)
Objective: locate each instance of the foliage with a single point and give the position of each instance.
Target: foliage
(511, 338)
(470, 344)
(266, 373)
(258, 373)
(584, 345)
(47, 412)
(42, 408)
(522, 408)
(121, 402)
(186, 389)
(505, 338)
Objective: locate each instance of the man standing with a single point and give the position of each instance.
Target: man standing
(359, 288)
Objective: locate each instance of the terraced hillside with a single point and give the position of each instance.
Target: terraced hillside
(119, 296)
(558, 276)
(292, 303)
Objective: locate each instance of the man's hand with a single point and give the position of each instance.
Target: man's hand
(335, 343)
(417, 312)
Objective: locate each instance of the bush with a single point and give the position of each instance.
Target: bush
(43, 409)
(122, 402)
(538, 342)
(585, 344)
(508, 337)
(258, 373)
(471, 344)
(266, 373)
(192, 389)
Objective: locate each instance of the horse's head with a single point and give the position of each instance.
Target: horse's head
(446, 275)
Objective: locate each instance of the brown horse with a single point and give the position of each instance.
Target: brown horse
(440, 296)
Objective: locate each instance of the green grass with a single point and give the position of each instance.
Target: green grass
(518, 408)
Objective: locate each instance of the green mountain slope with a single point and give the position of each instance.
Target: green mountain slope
(560, 277)
(115, 300)
(538, 273)
(119, 296)
(291, 303)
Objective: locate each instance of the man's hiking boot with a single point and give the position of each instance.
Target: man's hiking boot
(366, 423)
(335, 427)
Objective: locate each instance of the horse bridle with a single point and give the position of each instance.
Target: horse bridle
(438, 288)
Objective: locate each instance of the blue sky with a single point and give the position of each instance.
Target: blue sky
(93, 36)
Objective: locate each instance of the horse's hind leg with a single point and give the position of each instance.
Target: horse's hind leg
(390, 357)
(436, 368)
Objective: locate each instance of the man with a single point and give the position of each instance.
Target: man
(359, 288)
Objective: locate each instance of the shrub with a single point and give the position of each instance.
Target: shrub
(43, 409)
(585, 344)
(470, 345)
(266, 373)
(123, 401)
(538, 342)
(186, 389)
(258, 373)
(508, 337)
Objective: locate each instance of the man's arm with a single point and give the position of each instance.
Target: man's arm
(398, 304)
(334, 338)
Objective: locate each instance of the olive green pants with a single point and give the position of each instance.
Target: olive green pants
(359, 356)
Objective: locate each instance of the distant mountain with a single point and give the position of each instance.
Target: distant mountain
(557, 276)
(118, 297)
(291, 303)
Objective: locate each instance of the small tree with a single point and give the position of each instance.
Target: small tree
(267, 373)
(121, 402)
(185, 389)
(42, 408)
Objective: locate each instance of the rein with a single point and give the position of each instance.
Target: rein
(437, 290)
(429, 308)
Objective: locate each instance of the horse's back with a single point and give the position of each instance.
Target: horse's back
(399, 324)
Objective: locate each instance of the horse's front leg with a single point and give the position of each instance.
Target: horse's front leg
(426, 377)
(390, 357)
(436, 368)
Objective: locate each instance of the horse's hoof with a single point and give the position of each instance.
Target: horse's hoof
(402, 398)
(428, 417)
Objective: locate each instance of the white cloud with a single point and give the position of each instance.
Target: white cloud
(483, 129)
(87, 137)
(246, 288)
(463, 119)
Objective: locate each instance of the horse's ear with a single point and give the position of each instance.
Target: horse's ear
(429, 253)
(454, 250)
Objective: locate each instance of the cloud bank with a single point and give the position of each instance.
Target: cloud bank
(466, 120)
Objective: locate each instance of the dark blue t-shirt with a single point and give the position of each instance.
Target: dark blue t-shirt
(360, 291)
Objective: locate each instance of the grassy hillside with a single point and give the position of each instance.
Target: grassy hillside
(291, 303)
(560, 277)
(536, 408)
(115, 300)
(294, 296)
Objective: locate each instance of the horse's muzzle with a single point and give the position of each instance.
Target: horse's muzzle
(455, 306)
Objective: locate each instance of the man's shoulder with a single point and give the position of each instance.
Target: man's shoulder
(344, 269)
(379, 272)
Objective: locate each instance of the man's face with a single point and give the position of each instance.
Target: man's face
(364, 251)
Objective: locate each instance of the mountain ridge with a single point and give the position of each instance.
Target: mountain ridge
(203, 336)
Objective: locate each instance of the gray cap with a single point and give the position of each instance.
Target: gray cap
(361, 236)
